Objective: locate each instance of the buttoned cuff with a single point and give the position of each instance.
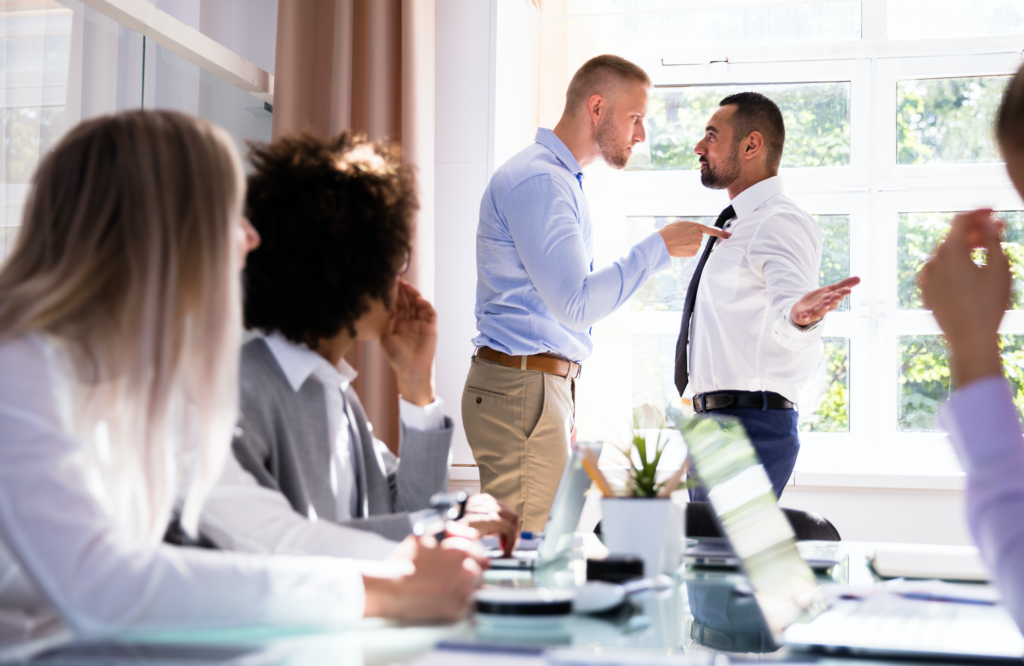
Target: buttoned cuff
(430, 417)
(654, 249)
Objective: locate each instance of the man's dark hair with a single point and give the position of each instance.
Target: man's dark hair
(335, 218)
(757, 113)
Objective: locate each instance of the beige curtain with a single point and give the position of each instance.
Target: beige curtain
(367, 65)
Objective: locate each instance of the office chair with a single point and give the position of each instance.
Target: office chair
(700, 522)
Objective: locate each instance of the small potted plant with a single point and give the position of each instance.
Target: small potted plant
(643, 520)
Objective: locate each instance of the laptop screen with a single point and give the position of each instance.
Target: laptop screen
(742, 498)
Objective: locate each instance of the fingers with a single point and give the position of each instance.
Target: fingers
(713, 231)
(846, 284)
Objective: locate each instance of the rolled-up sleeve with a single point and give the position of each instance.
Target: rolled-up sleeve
(544, 223)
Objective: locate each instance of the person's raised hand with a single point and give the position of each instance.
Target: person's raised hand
(969, 300)
(487, 515)
(818, 303)
(410, 342)
(683, 238)
(423, 582)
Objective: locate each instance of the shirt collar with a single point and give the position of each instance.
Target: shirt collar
(299, 362)
(747, 201)
(547, 138)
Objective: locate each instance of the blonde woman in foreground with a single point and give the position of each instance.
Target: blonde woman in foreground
(120, 328)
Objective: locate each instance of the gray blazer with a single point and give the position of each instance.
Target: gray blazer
(284, 444)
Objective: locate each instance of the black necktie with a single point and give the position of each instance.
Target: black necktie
(682, 372)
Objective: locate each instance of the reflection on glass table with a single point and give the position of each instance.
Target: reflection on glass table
(947, 121)
(817, 118)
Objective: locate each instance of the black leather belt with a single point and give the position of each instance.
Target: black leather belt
(705, 402)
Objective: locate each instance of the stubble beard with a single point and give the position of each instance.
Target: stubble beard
(615, 155)
(725, 174)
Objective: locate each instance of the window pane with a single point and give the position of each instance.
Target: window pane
(919, 233)
(666, 291)
(825, 398)
(646, 29)
(835, 252)
(817, 117)
(925, 380)
(654, 362)
(947, 120)
(936, 19)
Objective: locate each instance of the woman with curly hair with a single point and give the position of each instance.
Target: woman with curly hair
(120, 325)
(309, 477)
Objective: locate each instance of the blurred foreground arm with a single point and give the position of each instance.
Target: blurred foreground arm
(969, 301)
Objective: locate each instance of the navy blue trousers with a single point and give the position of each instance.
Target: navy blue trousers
(774, 436)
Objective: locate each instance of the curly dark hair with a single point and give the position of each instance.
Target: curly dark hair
(336, 221)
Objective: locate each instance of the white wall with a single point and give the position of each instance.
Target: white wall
(479, 126)
(465, 44)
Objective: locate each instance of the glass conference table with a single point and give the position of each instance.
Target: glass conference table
(704, 613)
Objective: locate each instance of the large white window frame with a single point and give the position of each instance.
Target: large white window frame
(873, 190)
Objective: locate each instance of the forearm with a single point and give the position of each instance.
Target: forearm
(581, 299)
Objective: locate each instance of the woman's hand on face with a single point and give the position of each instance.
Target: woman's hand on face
(410, 342)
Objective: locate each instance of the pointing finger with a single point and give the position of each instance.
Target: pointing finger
(715, 231)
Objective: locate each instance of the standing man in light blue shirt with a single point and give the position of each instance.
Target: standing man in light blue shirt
(538, 293)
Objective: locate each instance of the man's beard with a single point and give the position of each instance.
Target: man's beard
(614, 156)
(724, 175)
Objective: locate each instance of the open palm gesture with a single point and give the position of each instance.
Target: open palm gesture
(818, 303)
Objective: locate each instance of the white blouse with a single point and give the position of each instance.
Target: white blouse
(62, 551)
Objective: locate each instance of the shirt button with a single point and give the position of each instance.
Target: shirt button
(479, 400)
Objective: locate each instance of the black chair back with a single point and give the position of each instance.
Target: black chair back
(808, 526)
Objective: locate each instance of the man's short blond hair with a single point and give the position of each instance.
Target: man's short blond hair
(597, 76)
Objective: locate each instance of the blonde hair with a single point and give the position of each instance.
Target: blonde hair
(599, 75)
(126, 261)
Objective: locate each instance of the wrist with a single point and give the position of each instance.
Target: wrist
(417, 388)
(974, 360)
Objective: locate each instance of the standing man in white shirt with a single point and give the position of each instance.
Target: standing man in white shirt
(753, 310)
(538, 292)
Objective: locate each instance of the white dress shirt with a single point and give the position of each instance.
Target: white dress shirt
(63, 548)
(243, 515)
(742, 338)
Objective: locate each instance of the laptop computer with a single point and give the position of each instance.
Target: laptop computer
(792, 604)
(566, 509)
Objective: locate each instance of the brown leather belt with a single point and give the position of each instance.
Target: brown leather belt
(555, 365)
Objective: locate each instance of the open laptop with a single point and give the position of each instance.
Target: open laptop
(787, 594)
(560, 530)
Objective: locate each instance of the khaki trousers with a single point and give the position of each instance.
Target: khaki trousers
(519, 423)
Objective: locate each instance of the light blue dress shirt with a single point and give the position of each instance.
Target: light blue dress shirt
(537, 290)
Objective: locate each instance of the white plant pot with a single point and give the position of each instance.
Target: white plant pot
(650, 528)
